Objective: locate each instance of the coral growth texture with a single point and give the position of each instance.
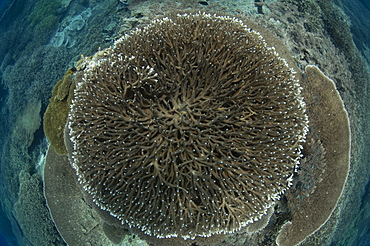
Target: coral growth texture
(189, 126)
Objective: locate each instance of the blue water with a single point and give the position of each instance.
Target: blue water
(31, 46)
(2, 3)
(5, 230)
(3, 241)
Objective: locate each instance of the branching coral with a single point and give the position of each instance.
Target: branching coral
(190, 126)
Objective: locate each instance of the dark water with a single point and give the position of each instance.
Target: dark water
(3, 241)
(21, 43)
(5, 230)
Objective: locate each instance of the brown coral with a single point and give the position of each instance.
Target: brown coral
(189, 126)
(56, 114)
(329, 124)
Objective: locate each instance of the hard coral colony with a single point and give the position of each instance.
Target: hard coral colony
(190, 126)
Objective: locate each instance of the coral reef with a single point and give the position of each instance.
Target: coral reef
(69, 28)
(42, 13)
(266, 236)
(320, 90)
(38, 230)
(28, 72)
(44, 18)
(24, 197)
(27, 123)
(34, 85)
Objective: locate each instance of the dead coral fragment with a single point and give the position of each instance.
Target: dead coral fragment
(190, 126)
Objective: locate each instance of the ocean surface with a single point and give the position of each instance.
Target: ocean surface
(41, 39)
